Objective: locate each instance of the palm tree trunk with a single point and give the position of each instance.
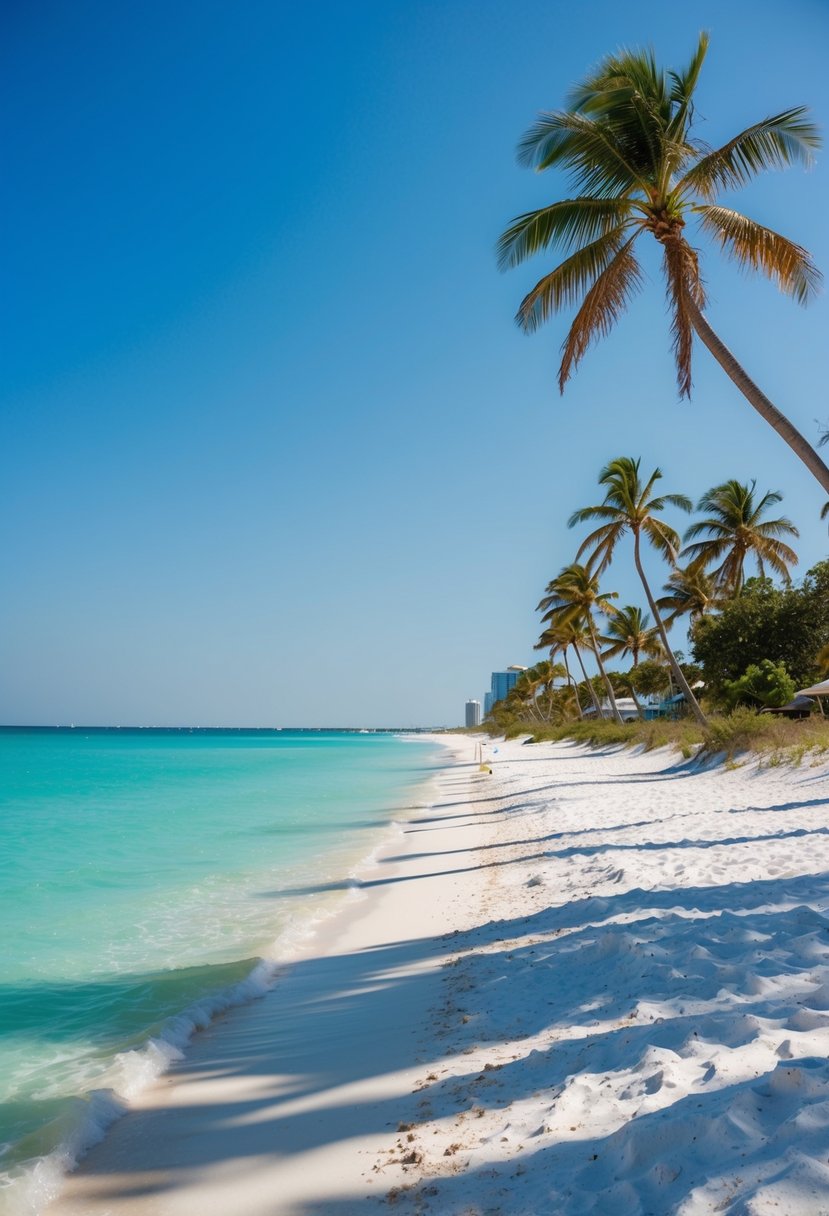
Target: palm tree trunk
(571, 682)
(680, 678)
(755, 396)
(614, 709)
(587, 681)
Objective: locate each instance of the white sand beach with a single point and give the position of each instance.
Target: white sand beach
(592, 982)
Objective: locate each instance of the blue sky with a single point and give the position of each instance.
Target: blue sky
(274, 452)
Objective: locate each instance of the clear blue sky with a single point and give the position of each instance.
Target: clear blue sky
(273, 450)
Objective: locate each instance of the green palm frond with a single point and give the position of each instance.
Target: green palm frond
(569, 280)
(757, 248)
(586, 514)
(684, 83)
(573, 222)
(776, 142)
(598, 162)
(603, 305)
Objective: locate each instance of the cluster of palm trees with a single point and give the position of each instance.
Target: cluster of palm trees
(627, 143)
(735, 529)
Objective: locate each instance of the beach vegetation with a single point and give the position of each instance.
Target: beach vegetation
(651, 679)
(788, 625)
(626, 140)
(630, 506)
(765, 684)
(573, 596)
(735, 737)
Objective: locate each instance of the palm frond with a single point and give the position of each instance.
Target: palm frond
(681, 501)
(708, 527)
(603, 305)
(780, 140)
(757, 248)
(586, 514)
(572, 222)
(663, 538)
(590, 149)
(569, 280)
(683, 283)
(771, 528)
(684, 83)
(601, 543)
(704, 552)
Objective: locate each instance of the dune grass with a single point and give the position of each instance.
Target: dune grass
(774, 740)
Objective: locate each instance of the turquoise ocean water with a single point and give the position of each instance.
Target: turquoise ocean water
(147, 880)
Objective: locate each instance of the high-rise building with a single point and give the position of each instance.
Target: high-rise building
(473, 713)
(502, 682)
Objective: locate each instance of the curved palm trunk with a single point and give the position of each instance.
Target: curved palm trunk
(755, 396)
(572, 684)
(663, 633)
(590, 687)
(614, 709)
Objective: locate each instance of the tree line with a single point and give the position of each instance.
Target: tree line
(752, 642)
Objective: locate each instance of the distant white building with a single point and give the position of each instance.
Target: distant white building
(473, 713)
(626, 706)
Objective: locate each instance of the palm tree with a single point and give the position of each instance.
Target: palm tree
(626, 140)
(547, 672)
(735, 528)
(687, 590)
(627, 507)
(558, 639)
(523, 694)
(629, 632)
(572, 597)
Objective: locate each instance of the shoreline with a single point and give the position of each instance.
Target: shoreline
(135, 1070)
(338, 927)
(594, 981)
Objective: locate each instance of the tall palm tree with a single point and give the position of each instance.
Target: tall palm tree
(626, 140)
(687, 590)
(573, 596)
(628, 507)
(735, 529)
(629, 632)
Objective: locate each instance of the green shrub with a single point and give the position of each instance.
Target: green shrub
(764, 684)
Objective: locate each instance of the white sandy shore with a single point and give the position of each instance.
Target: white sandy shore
(590, 983)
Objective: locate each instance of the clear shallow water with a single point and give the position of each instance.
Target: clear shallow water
(143, 875)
